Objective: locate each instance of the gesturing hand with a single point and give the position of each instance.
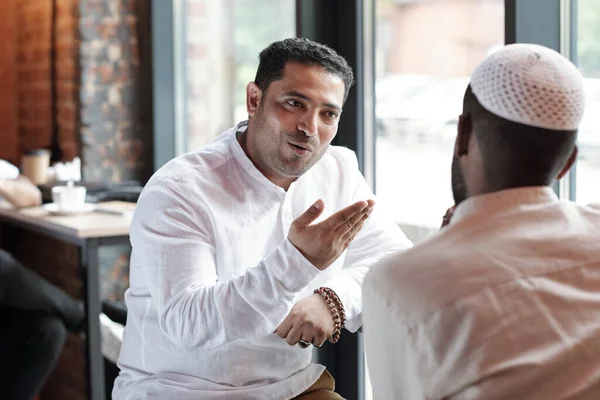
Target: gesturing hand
(323, 243)
(310, 320)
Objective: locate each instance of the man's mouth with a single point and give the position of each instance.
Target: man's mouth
(299, 149)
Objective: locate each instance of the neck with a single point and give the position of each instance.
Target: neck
(508, 183)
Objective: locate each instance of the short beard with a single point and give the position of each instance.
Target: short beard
(273, 161)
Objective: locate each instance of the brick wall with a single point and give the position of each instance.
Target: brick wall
(102, 93)
(26, 101)
(9, 143)
(67, 76)
(115, 134)
(34, 99)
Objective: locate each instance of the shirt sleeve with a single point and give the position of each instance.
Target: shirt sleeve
(392, 356)
(378, 238)
(178, 253)
(8, 171)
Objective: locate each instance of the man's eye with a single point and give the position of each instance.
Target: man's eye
(332, 114)
(294, 103)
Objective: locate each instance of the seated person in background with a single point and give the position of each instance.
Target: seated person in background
(231, 241)
(17, 189)
(504, 302)
(34, 314)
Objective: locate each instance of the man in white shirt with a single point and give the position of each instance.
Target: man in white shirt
(231, 241)
(504, 302)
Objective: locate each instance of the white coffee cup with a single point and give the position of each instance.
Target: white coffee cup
(69, 197)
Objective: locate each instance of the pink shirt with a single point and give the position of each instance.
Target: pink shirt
(504, 303)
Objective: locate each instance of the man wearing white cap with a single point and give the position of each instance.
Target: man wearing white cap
(504, 303)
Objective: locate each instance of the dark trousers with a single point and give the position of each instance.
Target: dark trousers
(34, 319)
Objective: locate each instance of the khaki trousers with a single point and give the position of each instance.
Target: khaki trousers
(323, 389)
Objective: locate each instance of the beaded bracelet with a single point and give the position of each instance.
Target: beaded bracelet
(337, 311)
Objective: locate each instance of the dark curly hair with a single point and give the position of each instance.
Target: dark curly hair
(303, 51)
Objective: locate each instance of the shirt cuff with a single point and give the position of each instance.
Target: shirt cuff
(290, 267)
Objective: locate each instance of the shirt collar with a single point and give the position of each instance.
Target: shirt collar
(496, 202)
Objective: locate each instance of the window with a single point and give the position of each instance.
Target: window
(425, 52)
(223, 40)
(587, 58)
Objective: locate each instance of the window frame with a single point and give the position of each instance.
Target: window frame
(327, 22)
(168, 79)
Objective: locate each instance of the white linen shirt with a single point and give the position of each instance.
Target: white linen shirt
(213, 275)
(504, 303)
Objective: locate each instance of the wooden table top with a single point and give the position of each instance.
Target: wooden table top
(94, 224)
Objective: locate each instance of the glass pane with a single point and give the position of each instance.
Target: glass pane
(425, 53)
(223, 40)
(588, 60)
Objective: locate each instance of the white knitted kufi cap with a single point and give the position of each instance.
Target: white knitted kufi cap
(531, 85)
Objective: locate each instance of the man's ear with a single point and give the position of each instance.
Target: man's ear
(569, 163)
(463, 135)
(253, 97)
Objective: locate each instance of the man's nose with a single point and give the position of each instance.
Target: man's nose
(309, 124)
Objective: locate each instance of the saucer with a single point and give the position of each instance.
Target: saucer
(53, 209)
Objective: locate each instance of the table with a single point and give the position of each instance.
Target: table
(88, 232)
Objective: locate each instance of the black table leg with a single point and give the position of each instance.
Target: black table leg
(95, 362)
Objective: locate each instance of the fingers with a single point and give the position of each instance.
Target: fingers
(349, 224)
(319, 339)
(308, 216)
(306, 339)
(356, 218)
(351, 233)
(341, 217)
(284, 328)
(294, 337)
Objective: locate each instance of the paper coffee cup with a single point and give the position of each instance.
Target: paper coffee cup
(34, 166)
